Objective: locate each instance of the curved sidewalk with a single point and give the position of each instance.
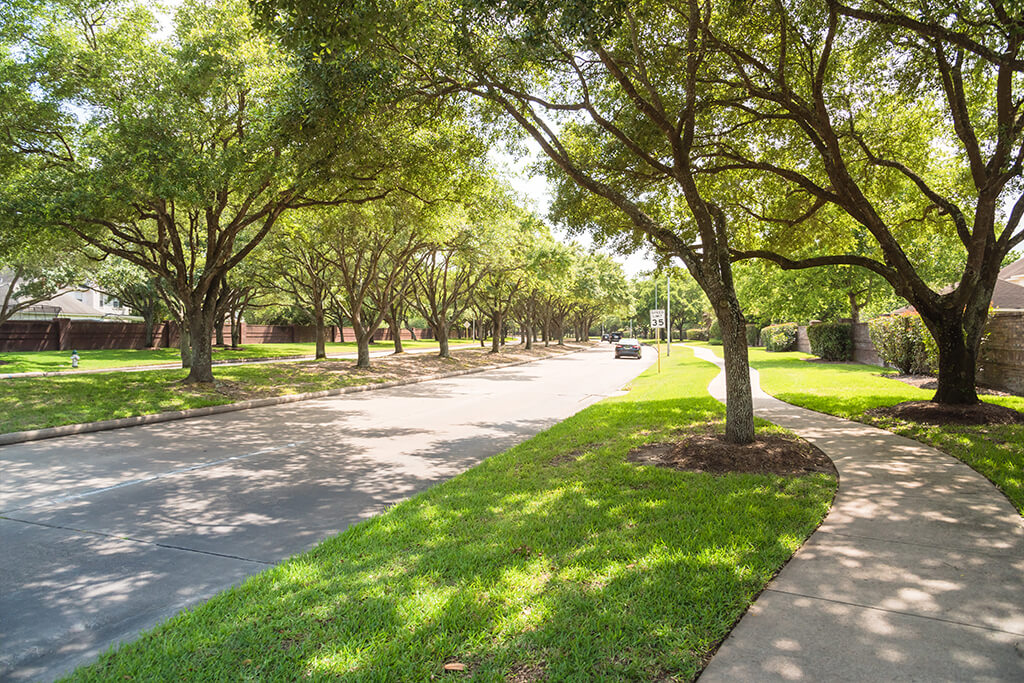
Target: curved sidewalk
(917, 572)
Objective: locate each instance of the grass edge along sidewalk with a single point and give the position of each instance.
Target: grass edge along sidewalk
(40, 408)
(848, 390)
(556, 558)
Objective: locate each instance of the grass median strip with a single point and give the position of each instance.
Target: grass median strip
(38, 402)
(850, 389)
(556, 559)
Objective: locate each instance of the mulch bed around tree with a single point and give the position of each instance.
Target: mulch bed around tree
(786, 456)
(939, 414)
(931, 383)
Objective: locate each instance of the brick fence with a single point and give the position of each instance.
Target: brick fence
(63, 334)
(1000, 360)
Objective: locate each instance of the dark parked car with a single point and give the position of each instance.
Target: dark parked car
(627, 347)
(614, 337)
(606, 337)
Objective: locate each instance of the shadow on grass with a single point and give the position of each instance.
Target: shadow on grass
(591, 567)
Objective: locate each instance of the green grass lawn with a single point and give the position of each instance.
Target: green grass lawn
(37, 402)
(849, 389)
(57, 361)
(557, 559)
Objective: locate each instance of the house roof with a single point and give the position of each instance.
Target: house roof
(1008, 295)
(1013, 270)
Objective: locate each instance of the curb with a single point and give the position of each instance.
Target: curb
(11, 438)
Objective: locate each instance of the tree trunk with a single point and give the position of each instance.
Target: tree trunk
(958, 360)
(236, 329)
(441, 328)
(148, 320)
(412, 331)
(529, 336)
(363, 351)
(321, 334)
(202, 350)
(363, 337)
(396, 335)
(496, 326)
(185, 344)
(219, 330)
(739, 407)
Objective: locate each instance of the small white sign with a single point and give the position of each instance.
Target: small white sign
(657, 317)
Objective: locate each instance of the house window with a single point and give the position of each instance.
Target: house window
(80, 296)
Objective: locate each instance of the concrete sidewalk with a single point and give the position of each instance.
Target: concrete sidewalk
(917, 572)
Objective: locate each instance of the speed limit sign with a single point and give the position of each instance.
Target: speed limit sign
(657, 317)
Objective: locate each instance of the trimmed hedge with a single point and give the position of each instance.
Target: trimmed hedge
(831, 341)
(752, 334)
(715, 333)
(779, 337)
(697, 334)
(904, 342)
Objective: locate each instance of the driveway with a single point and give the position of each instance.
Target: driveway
(107, 534)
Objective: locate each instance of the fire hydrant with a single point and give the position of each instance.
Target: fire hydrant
(74, 359)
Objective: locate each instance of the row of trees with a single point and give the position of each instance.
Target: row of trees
(820, 133)
(869, 135)
(206, 172)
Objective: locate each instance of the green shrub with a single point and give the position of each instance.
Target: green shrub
(779, 337)
(903, 342)
(752, 334)
(715, 333)
(697, 334)
(831, 341)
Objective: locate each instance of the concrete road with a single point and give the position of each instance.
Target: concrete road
(106, 534)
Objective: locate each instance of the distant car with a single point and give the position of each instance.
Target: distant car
(614, 337)
(606, 337)
(627, 347)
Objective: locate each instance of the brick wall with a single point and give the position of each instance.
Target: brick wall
(863, 350)
(803, 342)
(63, 334)
(1001, 360)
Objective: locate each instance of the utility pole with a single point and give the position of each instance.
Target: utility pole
(668, 313)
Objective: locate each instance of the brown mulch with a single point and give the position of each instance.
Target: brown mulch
(786, 456)
(939, 414)
(931, 383)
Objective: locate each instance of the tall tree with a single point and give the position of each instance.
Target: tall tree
(297, 263)
(374, 252)
(851, 105)
(191, 149)
(135, 288)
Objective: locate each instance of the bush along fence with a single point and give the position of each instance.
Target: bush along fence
(831, 341)
(779, 337)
